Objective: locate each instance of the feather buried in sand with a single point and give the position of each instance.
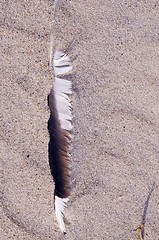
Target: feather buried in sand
(59, 126)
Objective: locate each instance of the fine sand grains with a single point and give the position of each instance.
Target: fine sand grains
(114, 47)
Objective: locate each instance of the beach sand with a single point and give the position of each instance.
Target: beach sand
(114, 47)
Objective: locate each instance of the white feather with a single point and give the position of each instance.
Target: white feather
(63, 88)
(61, 60)
(62, 64)
(64, 110)
(66, 125)
(63, 98)
(59, 54)
(62, 70)
(60, 205)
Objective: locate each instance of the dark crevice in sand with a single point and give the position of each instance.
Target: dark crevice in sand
(26, 32)
(141, 228)
(13, 218)
(145, 212)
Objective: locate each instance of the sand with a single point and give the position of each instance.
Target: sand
(114, 47)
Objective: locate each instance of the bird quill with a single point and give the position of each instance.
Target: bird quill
(60, 126)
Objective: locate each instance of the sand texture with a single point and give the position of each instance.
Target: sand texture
(114, 48)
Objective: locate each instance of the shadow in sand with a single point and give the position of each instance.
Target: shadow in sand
(143, 220)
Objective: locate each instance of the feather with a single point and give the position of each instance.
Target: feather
(55, 6)
(61, 63)
(52, 34)
(59, 127)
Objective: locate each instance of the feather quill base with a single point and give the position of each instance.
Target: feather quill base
(60, 205)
